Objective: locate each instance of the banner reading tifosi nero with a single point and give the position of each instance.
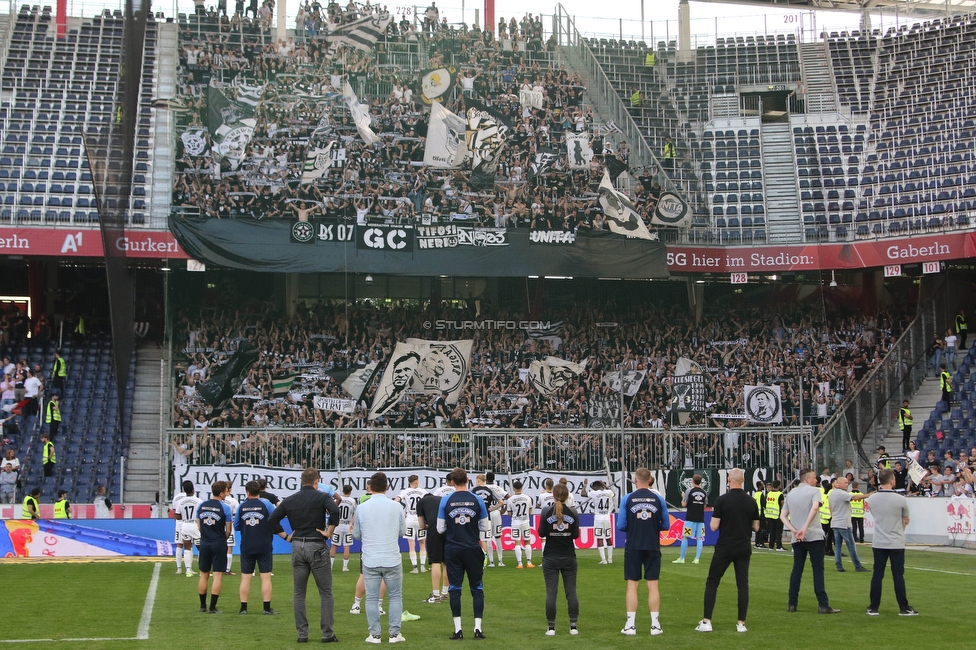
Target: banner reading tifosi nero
(266, 245)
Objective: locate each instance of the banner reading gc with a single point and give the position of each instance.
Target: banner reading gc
(385, 238)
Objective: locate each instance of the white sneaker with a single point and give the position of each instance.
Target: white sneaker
(189, 574)
(491, 565)
(374, 638)
(382, 612)
(740, 627)
(656, 630)
(500, 563)
(703, 626)
(551, 631)
(423, 569)
(629, 631)
(354, 609)
(345, 569)
(415, 570)
(602, 562)
(179, 571)
(397, 638)
(573, 630)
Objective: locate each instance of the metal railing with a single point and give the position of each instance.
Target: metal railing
(783, 449)
(871, 411)
(599, 84)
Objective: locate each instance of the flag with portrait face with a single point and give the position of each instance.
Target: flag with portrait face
(446, 147)
(622, 218)
(487, 134)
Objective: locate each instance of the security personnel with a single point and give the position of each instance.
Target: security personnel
(905, 424)
(961, 328)
(52, 415)
(760, 496)
(825, 518)
(945, 383)
(635, 97)
(59, 372)
(30, 508)
(857, 515)
(48, 455)
(62, 509)
(650, 59)
(774, 526)
(669, 152)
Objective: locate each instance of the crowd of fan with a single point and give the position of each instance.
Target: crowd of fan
(735, 349)
(387, 182)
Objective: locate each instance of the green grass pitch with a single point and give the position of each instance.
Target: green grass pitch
(101, 604)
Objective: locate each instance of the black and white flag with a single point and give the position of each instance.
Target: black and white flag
(632, 380)
(672, 211)
(487, 133)
(194, 140)
(250, 95)
(317, 161)
(552, 373)
(764, 404)
(446, 147)
(545, 158)
(689, 389)
(360, 114)
(419, 366)
(578, 150)
(436, 84)
(361, 34)
(622, 218)
(611, 127)
(358, 381)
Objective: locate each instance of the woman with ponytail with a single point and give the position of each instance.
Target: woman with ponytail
(559, 528)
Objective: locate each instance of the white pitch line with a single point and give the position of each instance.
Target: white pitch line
(954, 573)
(147, 609)
(85, 639)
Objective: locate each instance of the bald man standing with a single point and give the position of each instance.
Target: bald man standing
(736, 518)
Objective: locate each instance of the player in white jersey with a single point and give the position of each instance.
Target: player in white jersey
(495, 516)
(233, 504)
(520, 507)
(409, 498)
(342, 536)
(604, 502)
(543, 501)
(185, 512)
(174, 509)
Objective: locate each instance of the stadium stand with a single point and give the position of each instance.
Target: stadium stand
(62, 90)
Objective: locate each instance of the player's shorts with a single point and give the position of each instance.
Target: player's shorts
(637, 561)
(179, 533)
(495, 517)
(521, 531)
(214, 558)
(602, 528)
(190, 533)
(414, 531)
(435, 547)
(263, 560)
(231, 539)
(694, 530)
(342, 536)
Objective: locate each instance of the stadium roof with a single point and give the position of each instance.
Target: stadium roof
(926, 8)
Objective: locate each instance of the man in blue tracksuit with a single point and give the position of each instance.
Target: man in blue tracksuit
(256, 544)
(463, 519)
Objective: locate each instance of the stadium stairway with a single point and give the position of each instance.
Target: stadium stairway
(924, 401)
(142, 465)
(164, 155)
(957, 421)
(782, 199)
(821, 96)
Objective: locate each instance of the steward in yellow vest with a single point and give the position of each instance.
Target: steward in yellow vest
(825, 519)
(30, 509)
(857, 515)
(62, 509)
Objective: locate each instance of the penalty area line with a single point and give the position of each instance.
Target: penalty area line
(147, 608)
(84, 639)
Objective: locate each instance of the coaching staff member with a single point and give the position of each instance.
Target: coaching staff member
(559, 527)
(736, 518)
(643, 515)
(306, 511)
(256, 542)
(801, 508)
(463, 520)
(890, 511)
(380, 524)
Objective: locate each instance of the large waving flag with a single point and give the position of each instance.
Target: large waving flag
(361, 34)
(619, 210)
(360, 114)
(487, 134)
(446, 146)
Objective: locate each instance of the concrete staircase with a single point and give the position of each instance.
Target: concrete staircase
(821, 95)
(143, 464)
(782, 198)
(921, 405)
